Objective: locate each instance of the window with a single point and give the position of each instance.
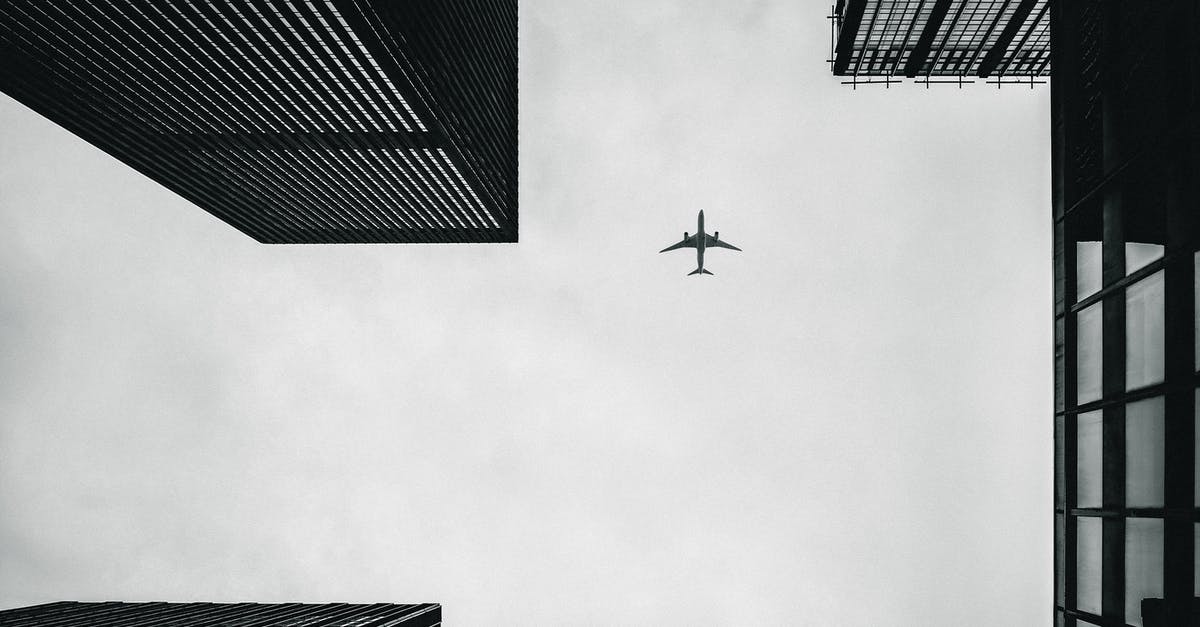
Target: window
(1060, 473)
(1089, 353)
(1089, 453)
(1089, 540)
(1060, 577)
(1144, 332)
(1088, 266)
(1138, 255)
(1144, 443)
(1143, 565)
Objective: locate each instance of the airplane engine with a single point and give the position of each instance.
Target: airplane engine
(716, 235)
(685, 236)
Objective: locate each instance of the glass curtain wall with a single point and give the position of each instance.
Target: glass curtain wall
(1127, 293)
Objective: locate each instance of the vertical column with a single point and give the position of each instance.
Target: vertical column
(1181, 198)
(1062, 33)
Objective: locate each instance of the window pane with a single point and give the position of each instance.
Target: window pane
(1196, 459)
(1060, 473)
(1144, 442)
(1089, 540)
(1060, 381)
(1144, 332)
(1138, 256)
(1060, 569)
(1088, 257)
(1195, 563)
(1196, 311)
(1089, 352)
(1089, 453)
(1143, 565)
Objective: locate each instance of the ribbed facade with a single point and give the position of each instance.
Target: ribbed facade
(306, 121)
(109, 614)
(956, 38)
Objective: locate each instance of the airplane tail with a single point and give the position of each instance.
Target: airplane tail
(699, 271)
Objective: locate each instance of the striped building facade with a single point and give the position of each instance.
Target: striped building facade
(112, 614)
(942, 38)
(297, 121)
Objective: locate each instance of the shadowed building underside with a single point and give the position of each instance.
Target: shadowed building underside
(325, 121)
(955, 38)
(110, 614)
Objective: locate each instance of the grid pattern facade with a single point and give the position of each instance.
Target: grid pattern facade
(926, 38)
(306, 121)
(110, 614)
(1127, 296)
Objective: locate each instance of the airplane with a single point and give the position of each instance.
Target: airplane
(700, 241)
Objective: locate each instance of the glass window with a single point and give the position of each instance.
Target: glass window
(1143, 565)
(1144, 443)
(1088, 264)
(1089, 353)
(1089, 540)
(1060, 574)
(1144, 332)
(1089, 453)
(1060, 479)
(1196, 311)
(1083, 233)
(1196, 458)
(1138, 256)
(1195, 562)
(1059, 365)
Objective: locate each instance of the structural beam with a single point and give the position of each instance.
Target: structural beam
(992, 59)
(916, 60)
(851, 20)
(384, 140)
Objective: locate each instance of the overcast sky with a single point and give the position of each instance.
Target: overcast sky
(849, 424)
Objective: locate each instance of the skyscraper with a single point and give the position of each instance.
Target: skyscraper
(1125, 213)
(1126, 209)
(72, 614)
(320, 121)
(941, 38)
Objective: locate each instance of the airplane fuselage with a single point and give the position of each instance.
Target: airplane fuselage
(701, 241)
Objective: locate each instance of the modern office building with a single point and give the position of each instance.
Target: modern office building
(316, 121)
(941, 38)
(1126, 154)
(1126, 208)
(108, 614)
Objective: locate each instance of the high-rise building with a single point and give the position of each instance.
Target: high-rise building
(942, 38)
(1126, 207)
(109, 614)
(320, 121)
(1126, 203)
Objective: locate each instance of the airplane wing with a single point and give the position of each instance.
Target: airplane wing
(712, 241)
(688, 242)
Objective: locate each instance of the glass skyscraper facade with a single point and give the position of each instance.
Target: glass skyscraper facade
(1126, 201)
(317, 121)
